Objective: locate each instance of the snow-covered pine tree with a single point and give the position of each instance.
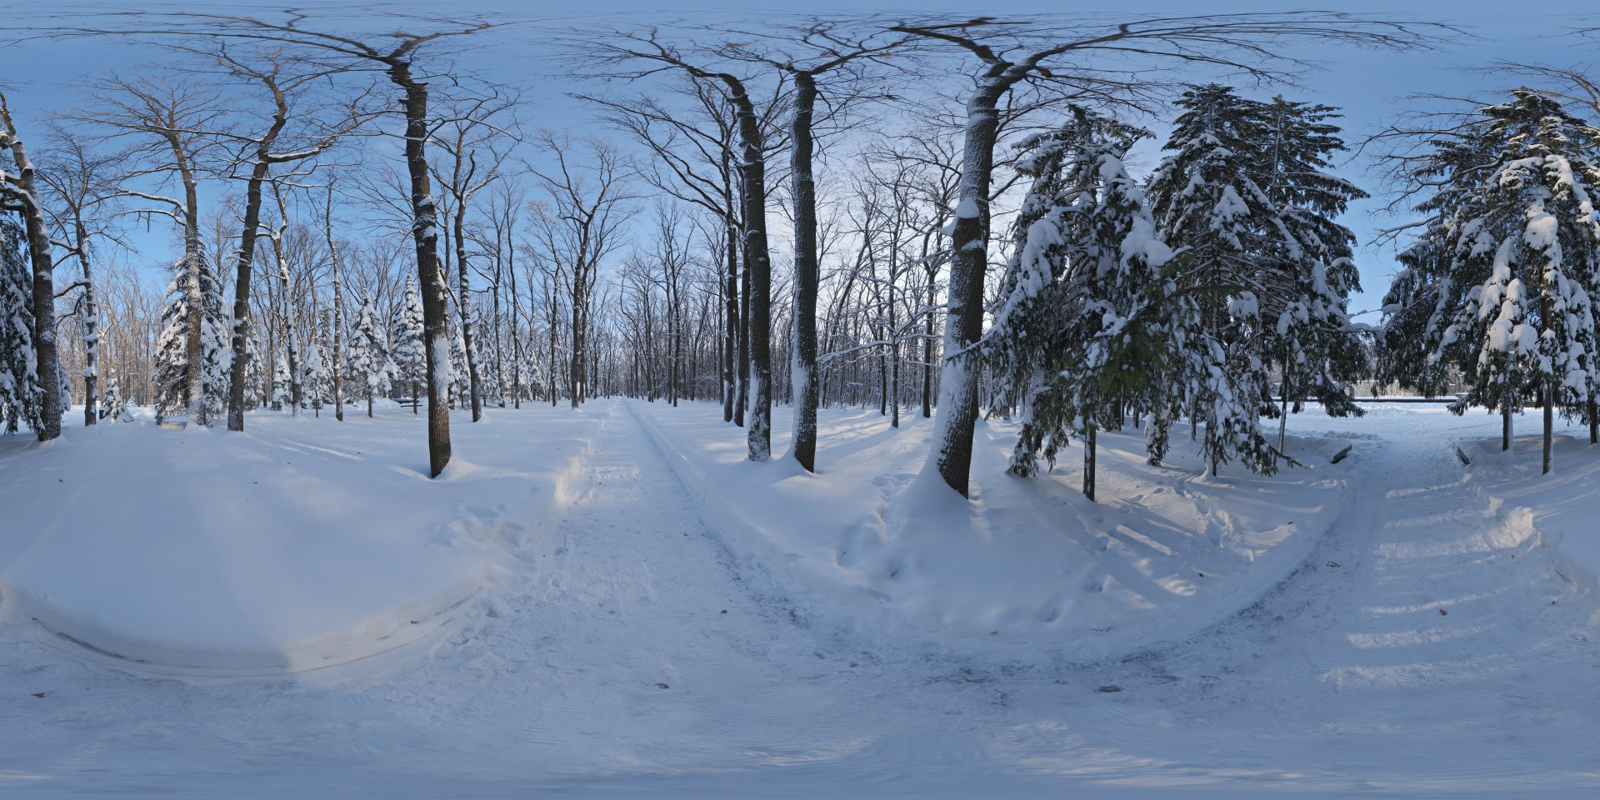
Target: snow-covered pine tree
(368, 364)
(490, 378)
(20, 393)
(282, 395)
(1422, 299)
(314, 377)
(112, 404)
(1208, 200)
(460, 379)
(173, 394)
(255, 373)
(1318, 351)
(1525, 258)
(1087, 316)
(405, 338)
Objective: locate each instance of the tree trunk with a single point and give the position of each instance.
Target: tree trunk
(758, 266)
(580, 298)
(742, 404)
(927, 348)
(44, 290)
(239, 370)
(430, 281)
(803, 369)
(958, 379)
(1549, 420)
(338, 322)
(1505, 426)
(191, 258)
(467, 352)
(91, 327)
(730, 333)
(1088, 462)
(290, 335)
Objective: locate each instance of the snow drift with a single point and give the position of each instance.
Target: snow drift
(292, 547)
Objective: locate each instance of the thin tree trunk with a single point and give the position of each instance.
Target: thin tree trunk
(1549, 422)
(290, 335)
(91, 326)
(338, 340)
(743, 400)
(1088, 463)
(1505, 427)
(467, 351)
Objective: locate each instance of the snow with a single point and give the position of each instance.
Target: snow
(1557, 510)
(201, 553)
(1026, 561)
(600, 662)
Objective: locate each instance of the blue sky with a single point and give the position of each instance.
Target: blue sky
(1371, 87)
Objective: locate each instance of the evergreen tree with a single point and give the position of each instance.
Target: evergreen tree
(256, 373)
(172, 375)
(112, 405)
(314, 377)
(21, 397)
(282, 394)
(368, 364)
(406, 352)
(1209, 199)
(1088, 315)
(1422, 299)
(1515, 295)
(460, 386)
(1319, 352)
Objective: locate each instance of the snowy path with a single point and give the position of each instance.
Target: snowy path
(1347, 679)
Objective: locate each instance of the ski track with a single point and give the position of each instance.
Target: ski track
(1345, 679)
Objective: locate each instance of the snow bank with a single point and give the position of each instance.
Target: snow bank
(295, 546)
(1167, 551)
(1558, 510)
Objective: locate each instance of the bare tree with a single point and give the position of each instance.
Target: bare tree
(394, 53)
(693, 161)
(752, 165)
(475, 145)
(81, 183)
(578, 230)
(804, 55)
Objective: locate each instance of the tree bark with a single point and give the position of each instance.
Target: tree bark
(1088, 463)
(91, 325)
(430, 281)
(758, 267)
(804, 364)
(238, 372)
(338, 335)
(958, 379)
(1505, 426)
(44, 290)
(467, 352)
(1549, 422)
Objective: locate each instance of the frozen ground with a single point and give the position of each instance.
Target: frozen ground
(1429, 645)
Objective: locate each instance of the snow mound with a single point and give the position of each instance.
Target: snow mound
(1556, 511)
(296, 546)
(1167, 551)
